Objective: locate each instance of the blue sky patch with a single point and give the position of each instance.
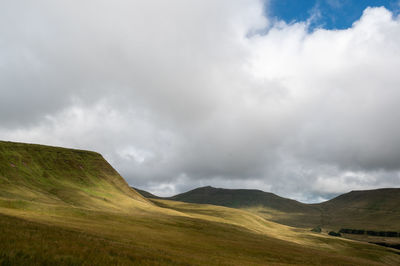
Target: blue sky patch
(327, 14)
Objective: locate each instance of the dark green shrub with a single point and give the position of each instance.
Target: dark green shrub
(332, 233)
(372, 233)
(391, 234)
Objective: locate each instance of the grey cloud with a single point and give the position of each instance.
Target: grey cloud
(178, 94)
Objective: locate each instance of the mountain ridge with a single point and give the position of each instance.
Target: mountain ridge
(238, 198)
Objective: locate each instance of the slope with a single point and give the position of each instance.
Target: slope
(377, 209)
(52, 175)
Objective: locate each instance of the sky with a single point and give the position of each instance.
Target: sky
(299, 100)
(327, 14)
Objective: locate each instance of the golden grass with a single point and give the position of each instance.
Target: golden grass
(174, 234)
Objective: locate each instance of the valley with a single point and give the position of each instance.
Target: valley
(70, 207)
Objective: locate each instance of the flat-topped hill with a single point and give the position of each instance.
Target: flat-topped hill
(61, 176)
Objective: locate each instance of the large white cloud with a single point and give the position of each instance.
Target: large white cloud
(178, 94)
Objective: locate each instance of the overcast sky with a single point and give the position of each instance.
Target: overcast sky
(179, 94)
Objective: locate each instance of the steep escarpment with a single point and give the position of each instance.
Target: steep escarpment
(53, 175)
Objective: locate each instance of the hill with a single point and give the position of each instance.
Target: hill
(239, 198)
(53, 175)
(268, 205)
(70, 207)
(384, 199)
(377, 209)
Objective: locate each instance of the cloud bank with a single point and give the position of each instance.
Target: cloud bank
(179, 94)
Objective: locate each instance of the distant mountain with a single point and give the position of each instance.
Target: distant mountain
(377, 209)
(266, 204)
(384, 199)
(241, 198)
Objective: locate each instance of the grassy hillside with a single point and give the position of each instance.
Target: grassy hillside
(155, 240)
(53, 175)
(377, 209)
(384, 199)
(69, 207)
(193, 235)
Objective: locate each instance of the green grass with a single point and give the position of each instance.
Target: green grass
(70, 207)
(60, 176)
